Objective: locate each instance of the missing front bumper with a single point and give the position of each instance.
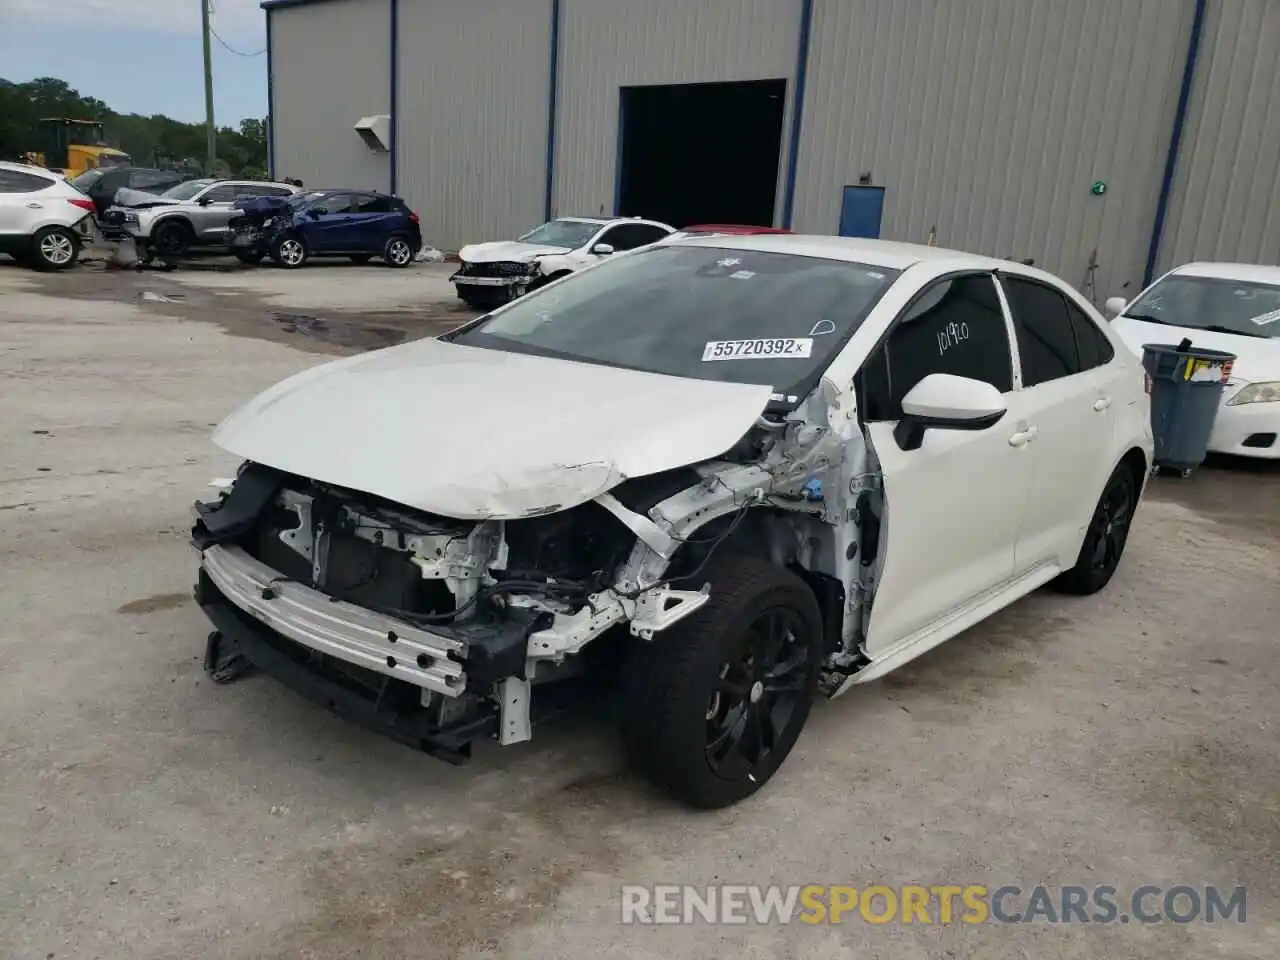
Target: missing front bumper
(363, 638)
(389, 707)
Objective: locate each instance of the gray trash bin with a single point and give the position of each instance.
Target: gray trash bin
(1185, 384)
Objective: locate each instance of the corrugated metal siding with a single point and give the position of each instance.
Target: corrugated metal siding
(991, 118)
(1226, 198)
(329, 66)
(475, 79)
(608, 44)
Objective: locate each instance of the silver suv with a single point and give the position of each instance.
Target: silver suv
(191, 214)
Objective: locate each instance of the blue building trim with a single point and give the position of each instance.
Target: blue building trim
(553, 97)
(1175, 141)
(393, 126)
(271, 106)
(797, 111)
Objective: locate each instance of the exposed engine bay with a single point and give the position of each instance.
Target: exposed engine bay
(457, 621)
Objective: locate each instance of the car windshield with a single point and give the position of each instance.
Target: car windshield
(702, 312)
(185, 191)
(1245, 307)
(300, 201)
(569, 234)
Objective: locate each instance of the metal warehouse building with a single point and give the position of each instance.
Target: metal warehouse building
(1106, 139)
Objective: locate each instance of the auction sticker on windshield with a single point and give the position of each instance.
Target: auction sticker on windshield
(780, 348)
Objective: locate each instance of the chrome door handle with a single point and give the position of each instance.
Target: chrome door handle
(1101, 404)
(1023, 437)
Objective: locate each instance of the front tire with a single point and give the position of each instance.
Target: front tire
(289, 252)
(54, 248)
(1105, 540)
(171, 238)
(712, 706)
(398, 252)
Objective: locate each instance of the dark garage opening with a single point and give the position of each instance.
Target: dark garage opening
(701, 152)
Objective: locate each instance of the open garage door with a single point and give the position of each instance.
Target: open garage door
(701, 153)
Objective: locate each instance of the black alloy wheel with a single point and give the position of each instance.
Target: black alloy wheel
(1106, 537)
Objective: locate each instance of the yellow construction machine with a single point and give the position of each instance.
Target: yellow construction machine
(74, 146)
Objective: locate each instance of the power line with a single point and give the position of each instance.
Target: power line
(231, 49)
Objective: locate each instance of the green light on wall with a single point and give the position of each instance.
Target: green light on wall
(1099, 188)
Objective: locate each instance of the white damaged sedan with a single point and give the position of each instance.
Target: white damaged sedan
(718, 479)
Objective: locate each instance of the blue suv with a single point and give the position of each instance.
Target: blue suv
(355, 224)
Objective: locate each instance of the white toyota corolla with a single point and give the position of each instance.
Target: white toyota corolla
(731, 475)
(1223, 306)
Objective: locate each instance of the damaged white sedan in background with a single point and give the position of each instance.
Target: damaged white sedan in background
(494, 273)
(715, 479)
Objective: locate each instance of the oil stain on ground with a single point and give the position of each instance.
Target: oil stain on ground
(161, 601)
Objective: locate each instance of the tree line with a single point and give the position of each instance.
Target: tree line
(155, 141)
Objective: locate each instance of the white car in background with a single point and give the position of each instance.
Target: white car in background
(745, 472)
(494, 273)
(1223, 306)
(44, 220)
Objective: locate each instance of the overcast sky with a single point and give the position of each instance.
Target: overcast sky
(140, 56)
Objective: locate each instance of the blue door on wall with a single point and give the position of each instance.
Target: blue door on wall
(861, 210)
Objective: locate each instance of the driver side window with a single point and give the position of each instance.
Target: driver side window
(224, 193)
(626, 236)
(954, 326)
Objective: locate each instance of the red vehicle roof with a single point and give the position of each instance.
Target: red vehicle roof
(732, 228)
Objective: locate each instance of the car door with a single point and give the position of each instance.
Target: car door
(372, 218)
(329, 224)
(213, 211)
(1068, 379)
(954, 506)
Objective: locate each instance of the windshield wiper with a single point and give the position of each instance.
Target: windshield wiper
(1239, 333)
(1147, 318)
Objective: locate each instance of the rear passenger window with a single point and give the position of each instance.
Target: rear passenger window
(1092, 345)
(956, 326)
(367, 204)
(15, 181)
(1046, 340)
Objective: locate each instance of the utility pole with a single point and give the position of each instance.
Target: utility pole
(211, 134)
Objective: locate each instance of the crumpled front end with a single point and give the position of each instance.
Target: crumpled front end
(378, 608)
(436, 627)
(258, 221)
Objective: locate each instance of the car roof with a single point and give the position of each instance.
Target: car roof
(877, 253)
(1244, 272)
(598, 221)
(25, 168)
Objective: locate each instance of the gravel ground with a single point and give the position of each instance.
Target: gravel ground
(1124, 739)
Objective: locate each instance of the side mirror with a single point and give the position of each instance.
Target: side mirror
(203, 201)
(602, 249)
(313, 214)
(942, 401)
(1115, 306)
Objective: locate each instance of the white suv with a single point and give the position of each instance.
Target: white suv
(44, 220)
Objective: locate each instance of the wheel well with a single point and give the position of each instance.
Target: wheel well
(1136, 461)
(180, 222)
(756, 534)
